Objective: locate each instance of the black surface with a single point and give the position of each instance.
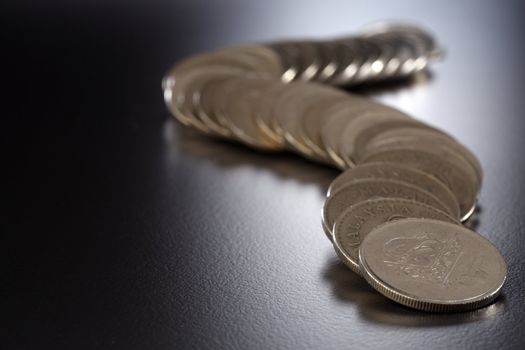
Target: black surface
(122, 230)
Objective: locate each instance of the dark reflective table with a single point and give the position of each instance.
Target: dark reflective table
(123, 230)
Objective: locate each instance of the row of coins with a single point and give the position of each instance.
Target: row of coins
(381, 51)
(396, 167)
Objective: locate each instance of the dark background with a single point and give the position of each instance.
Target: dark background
(122, 230)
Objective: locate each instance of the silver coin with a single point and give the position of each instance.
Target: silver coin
(432, 265)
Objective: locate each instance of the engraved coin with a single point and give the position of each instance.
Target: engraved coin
(450, 171)
(352, 226)
(432, 265)
(361, 190)
(402, 173)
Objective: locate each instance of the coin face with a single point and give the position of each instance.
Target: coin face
(398, 172)
(432, 265)
(361, 190)
(450, 171)
(352, 226)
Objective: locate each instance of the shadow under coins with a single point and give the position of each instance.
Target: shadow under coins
(228, 154)
(349, 287)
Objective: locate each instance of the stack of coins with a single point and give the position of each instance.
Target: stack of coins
(394, 215)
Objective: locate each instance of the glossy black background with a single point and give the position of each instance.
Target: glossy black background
(122, 230)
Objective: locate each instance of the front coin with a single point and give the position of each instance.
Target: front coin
(432, 265)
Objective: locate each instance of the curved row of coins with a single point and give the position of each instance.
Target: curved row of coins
(394, 215)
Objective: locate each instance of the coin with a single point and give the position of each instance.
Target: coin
(361, 190)
(352, 226)
(432, 265)
(348, 138)
(450, 171)
(404, 136)
(395, 171)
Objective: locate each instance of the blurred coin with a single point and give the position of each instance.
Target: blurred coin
(203, 101)
(239, 113)
(310, 60)
(264, 109)
(328, 53)
(361, 190)
(290, 57)
(339, 116)
(179, 98)
(398, 172)
(290, 108)
(432, 265)
(315, 117)
(352, 226)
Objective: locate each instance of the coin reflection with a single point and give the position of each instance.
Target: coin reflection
(185, 142)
